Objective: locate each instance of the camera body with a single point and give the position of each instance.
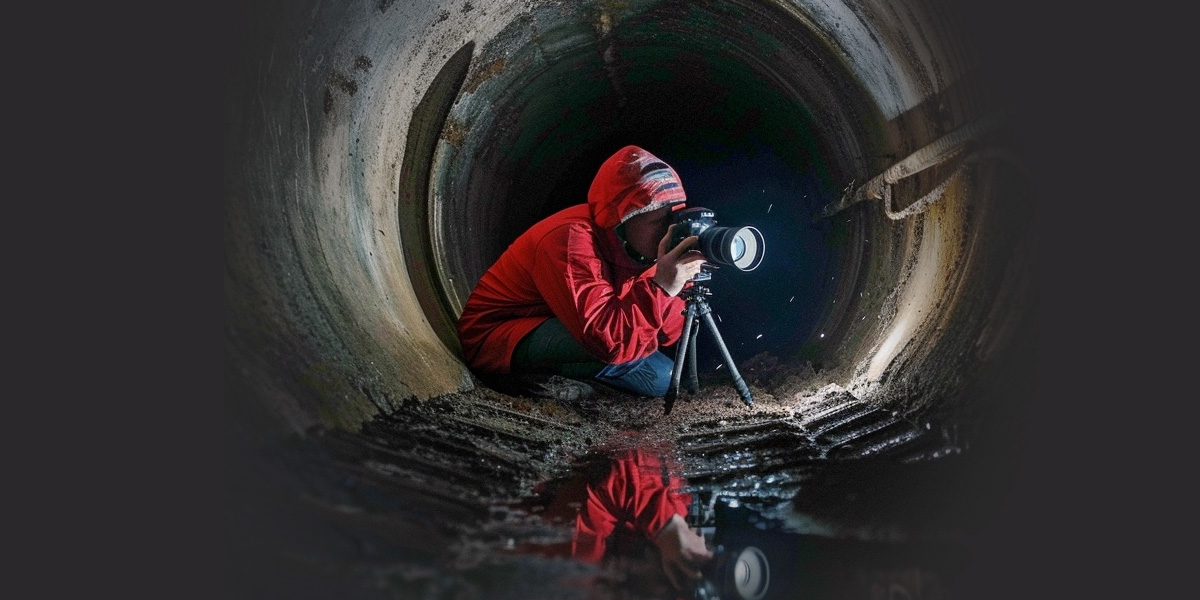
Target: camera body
(739, 247)
(692, 221)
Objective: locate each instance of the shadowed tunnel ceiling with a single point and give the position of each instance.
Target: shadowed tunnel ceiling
(379, 155)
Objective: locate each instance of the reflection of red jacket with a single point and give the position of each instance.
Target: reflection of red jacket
(638, 496)
(572, 265)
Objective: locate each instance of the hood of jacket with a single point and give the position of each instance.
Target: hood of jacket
(631, 182)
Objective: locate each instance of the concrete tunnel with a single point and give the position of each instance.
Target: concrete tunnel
(379, 155)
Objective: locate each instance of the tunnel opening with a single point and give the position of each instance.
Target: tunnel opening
(753, 110)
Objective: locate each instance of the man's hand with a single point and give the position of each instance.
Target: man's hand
(679, 265)
(683, 553)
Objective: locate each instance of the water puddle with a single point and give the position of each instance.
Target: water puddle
(766, 513)
(475, 499)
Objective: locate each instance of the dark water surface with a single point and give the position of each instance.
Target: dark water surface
(477, 497)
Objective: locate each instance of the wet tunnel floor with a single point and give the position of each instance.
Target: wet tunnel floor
(446, 498)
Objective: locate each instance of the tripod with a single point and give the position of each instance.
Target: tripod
(697, 309)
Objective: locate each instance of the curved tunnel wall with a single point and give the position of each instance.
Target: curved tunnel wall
(381, 154)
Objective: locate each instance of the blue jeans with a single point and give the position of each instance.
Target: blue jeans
(550, 348)
(650, 376)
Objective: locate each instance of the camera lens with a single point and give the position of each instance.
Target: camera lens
(737, 249)
(740, 247)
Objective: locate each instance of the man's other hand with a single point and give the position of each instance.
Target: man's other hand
(678, 265)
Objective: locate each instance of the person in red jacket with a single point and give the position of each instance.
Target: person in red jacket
(591, 292)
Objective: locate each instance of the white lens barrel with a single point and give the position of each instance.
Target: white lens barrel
(752, 241)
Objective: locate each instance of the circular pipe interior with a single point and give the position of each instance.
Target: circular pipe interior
(380, 155)
(756, 143)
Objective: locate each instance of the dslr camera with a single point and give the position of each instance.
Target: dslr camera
(740, 247)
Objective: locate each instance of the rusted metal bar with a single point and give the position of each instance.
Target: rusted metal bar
(940, 151)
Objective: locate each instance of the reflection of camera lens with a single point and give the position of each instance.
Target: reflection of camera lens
(740, 574)
(750, 575)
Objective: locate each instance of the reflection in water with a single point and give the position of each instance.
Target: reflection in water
(632, 504)
(628, 504)
(707, 522)
(835, 500)
(636, 499)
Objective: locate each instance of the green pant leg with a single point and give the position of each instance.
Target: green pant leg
(550, 348)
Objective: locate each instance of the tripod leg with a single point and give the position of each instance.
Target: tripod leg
(738, 382)
(681, 350)
(693, 378)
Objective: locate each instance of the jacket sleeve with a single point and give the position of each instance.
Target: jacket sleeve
(615, 322)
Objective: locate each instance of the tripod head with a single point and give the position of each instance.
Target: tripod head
(696, 291)
(705, 273)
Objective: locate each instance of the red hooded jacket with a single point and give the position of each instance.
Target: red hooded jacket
(572, 265)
